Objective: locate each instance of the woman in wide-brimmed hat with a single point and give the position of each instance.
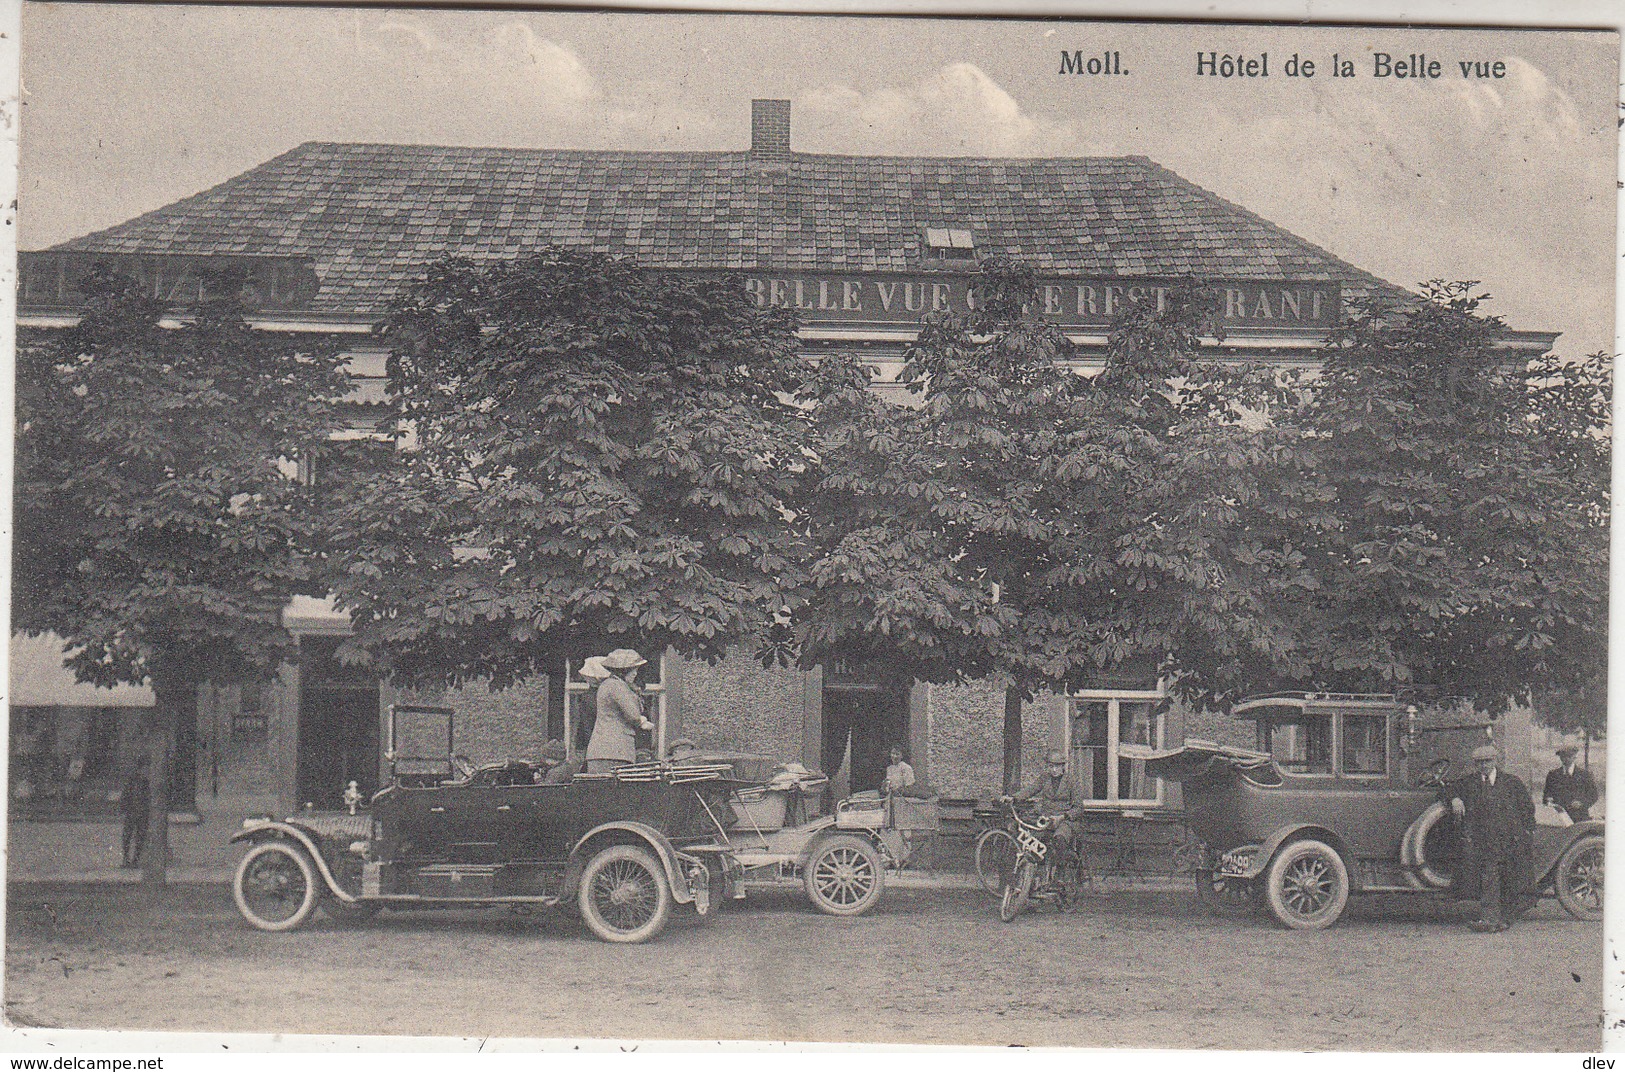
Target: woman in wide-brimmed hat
(620, 714)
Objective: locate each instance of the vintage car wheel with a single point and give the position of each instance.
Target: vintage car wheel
(1017, 888)
(1307, 886)
(623, 895)
(843, 875)
(1578, 878)
(1226, 895)
(995, 855)
(275, 886)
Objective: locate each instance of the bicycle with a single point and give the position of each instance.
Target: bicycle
(995, 857)
(1035, 875)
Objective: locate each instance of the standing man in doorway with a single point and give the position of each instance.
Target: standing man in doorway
(620, 714)
(1496, 818)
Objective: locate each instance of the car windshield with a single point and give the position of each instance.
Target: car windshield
(1300, 744)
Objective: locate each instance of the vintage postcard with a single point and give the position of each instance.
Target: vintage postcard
(1041, 532)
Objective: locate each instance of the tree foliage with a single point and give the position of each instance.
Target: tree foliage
(1469, 505)
(1047, 527)
(157, 529)
(1418, 512)
(601, 455)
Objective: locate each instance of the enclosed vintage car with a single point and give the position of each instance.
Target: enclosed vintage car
(1342, 796)
(622, 847)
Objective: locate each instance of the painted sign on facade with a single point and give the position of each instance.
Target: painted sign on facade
(1069, 303)
(55, 280)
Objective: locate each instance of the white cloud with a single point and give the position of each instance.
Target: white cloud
(541, 64)
(1524, 104)
(409, 28)
(957, 107)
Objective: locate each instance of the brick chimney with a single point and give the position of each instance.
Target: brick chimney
(770, 129)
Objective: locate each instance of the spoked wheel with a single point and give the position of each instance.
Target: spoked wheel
(1226, 895)
(1579, 878)
(623, 895)
(995, 856)
(1017, 888)
(275, 886)
(844, 876)
(1307, 886)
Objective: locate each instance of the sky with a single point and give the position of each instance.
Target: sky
(1507, 180)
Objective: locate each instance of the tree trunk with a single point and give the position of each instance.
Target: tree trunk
(1012, 739)
(175, 699)
(1585, 732)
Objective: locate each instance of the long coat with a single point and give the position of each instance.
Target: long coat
(620, 716)
(1498, 826)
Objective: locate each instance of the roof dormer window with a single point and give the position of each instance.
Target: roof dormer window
(953, 245)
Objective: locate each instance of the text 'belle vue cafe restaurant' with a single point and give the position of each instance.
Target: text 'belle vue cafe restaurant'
(861, 246)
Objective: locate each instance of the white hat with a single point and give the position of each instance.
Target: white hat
(594, 669)
(623, 659)
(1485, 751)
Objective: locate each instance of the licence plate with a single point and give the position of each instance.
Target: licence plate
(1031, 844)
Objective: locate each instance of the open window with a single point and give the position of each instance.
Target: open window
(1300, 742)
(950, 245)
(1365, 744)
(1099, 724)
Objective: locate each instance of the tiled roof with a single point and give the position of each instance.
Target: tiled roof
(370, 217)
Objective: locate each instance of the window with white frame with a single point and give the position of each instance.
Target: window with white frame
(1098, 725)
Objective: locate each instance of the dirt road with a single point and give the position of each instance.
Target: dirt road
(1131, 969)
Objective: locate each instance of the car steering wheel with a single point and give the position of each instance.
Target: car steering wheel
(1433, 775)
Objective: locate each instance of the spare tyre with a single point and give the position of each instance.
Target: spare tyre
(1430, 848)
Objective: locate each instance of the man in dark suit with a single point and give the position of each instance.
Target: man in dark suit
(1496, 818)
(1058, 797)
(1570, 787)
(133, 804)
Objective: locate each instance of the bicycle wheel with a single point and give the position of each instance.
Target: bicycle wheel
(1016, 890)
(995, 855)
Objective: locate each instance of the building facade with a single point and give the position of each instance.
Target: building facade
(861, 247)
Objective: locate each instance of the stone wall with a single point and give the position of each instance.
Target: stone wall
(967, 739)
(737, 705)
(1215, 726)
(491, 726)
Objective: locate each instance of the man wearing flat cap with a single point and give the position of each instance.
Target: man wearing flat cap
(620, 714)
(1496, 818)
(1570, 787)
(1058, 797)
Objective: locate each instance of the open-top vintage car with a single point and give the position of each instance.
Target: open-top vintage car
(839, 859)
(1342, 796)
(623, 847)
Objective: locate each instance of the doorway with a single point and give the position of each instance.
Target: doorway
(338, 726)
(871, 719)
